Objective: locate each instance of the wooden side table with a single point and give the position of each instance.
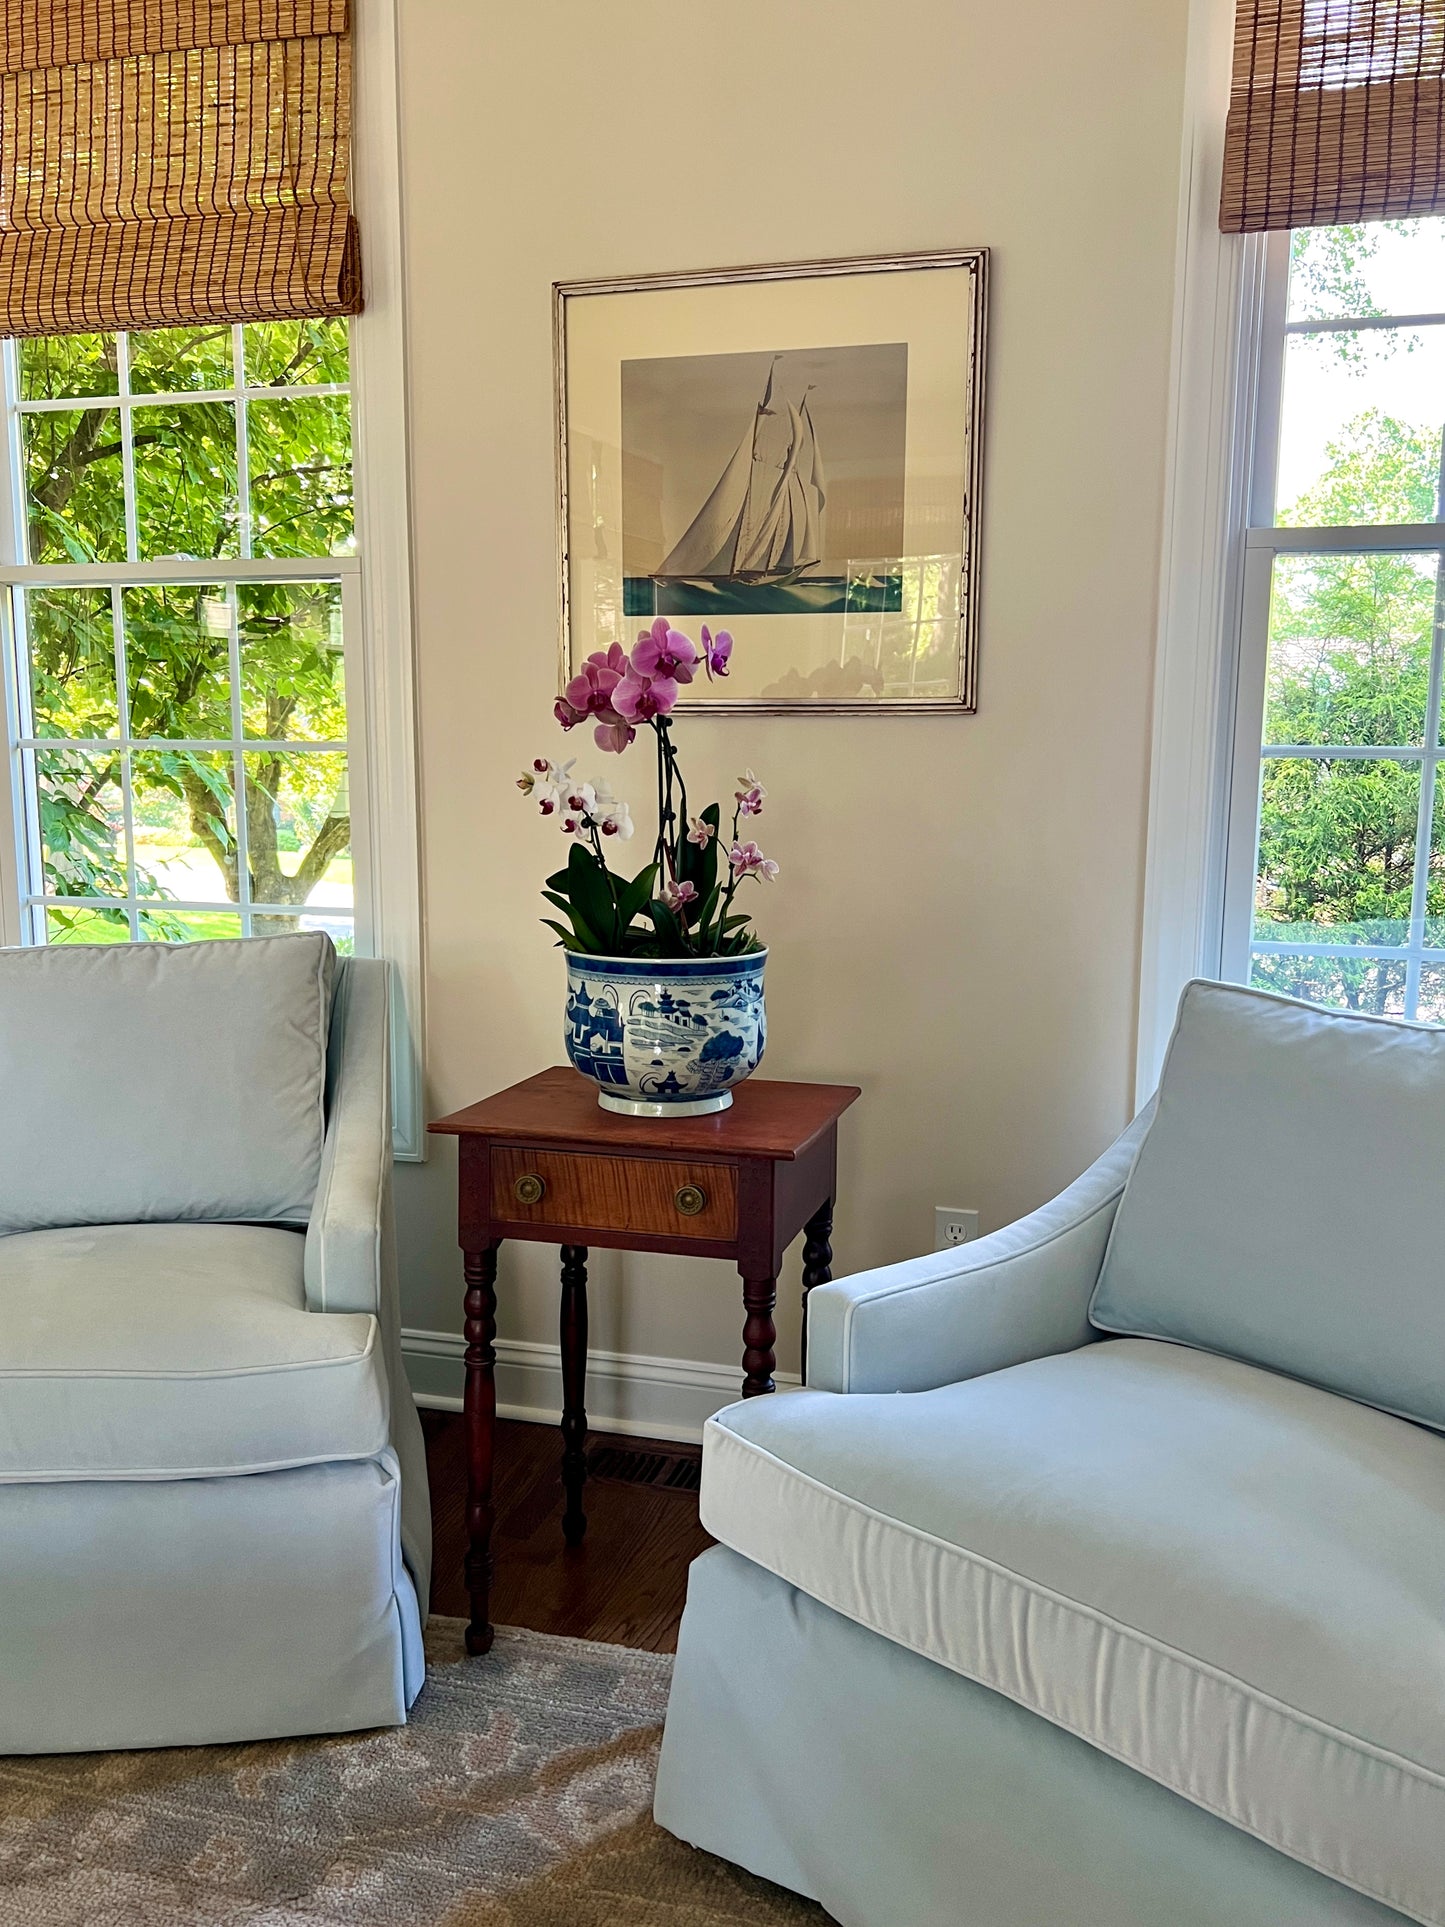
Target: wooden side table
(542, 1161)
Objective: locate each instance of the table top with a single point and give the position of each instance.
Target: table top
(767, 1118)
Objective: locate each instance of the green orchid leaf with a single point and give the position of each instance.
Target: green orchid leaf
(669, 930)
(634, 896)
(587, 936)
(590, 894)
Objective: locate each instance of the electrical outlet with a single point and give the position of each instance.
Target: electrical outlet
(952, 1226)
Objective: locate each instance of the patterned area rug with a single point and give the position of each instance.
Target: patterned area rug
(518, 1796)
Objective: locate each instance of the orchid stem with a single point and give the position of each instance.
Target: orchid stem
(611, 884)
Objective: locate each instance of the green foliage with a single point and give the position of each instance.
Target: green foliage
(600, 907)
(178, 640)
(1329, 278)
(1382, 471)
(603, 910)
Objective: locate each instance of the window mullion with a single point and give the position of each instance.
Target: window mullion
(17, 919)
(1246, 764)
(243, 444)
(127, 792)
(127, 448)
(13, 538)
(1269, 389)
(238, 769)
(1425, 831)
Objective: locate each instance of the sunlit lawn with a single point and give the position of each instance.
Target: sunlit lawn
(185, 871)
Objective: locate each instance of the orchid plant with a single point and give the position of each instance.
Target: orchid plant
(682, 903)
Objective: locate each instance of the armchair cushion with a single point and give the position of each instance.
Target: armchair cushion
(1232, 1582)
(176, 1351)
(159, 1082)
(1280, 1207)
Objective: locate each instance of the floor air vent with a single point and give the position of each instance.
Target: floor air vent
(672, 1471)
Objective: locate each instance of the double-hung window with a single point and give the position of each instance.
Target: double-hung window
(1335, 872)
(1297, 809)
(179, 554)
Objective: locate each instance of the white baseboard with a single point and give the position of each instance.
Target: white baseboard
(650, 1398)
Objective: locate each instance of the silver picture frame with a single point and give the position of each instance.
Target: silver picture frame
(871, 602)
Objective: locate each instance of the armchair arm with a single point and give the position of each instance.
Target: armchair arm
(345, 1244)
(1020, 1293)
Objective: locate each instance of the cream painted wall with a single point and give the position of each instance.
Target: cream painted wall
(956, 925)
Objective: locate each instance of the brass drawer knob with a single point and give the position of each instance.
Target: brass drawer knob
(690, 1200)
(531, 1189)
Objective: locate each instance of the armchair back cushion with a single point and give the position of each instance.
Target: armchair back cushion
(163, 1082)
(1282, 1208)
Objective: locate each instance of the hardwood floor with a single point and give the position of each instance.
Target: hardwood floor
(625, 1583)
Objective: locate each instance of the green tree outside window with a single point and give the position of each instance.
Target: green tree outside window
(195, 447)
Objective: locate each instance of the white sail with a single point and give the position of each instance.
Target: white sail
(711, 540)
(764, 516)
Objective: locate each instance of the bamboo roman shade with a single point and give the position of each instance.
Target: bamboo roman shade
(1335, 113)
(164, 162)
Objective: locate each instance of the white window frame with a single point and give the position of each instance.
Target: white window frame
(1220, 541)
(375, 585)
(1214, 362)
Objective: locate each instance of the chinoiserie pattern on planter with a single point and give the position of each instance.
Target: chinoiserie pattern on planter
(680, 1032)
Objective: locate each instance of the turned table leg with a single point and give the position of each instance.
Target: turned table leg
(574, 1390)
(480, 1419)
(759, 1335)
(817, 1262)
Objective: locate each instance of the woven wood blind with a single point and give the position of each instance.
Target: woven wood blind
(166, 162)
(1337, 113)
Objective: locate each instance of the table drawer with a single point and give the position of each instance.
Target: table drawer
(672, 1199)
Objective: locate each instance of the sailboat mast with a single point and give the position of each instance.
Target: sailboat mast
(745, 529)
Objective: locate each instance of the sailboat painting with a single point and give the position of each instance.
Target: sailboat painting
(753, 483)
(790, 452)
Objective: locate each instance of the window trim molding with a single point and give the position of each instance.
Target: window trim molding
(382, 486)
(1213, 398)
(13, 841)
(383, 700)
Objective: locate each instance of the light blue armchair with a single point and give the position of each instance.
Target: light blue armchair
(213, 1503)
(1100, 1575)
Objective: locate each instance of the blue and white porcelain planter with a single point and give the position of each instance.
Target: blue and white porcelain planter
(666, 1037)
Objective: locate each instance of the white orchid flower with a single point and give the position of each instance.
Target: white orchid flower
(615, 820)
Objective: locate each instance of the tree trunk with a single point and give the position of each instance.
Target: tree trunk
(269, 882)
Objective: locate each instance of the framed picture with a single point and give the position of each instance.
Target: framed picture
(792, 453)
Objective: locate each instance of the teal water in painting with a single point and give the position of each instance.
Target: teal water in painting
(646, 596)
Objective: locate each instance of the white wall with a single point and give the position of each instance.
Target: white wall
(957, 923)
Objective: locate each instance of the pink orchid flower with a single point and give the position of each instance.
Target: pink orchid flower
(612, 733)
(700, 833)
(590, 690)
(638, 698)
(664, 651)
(750, 795)
(678, 895)
(748, 860)
(715, 651)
